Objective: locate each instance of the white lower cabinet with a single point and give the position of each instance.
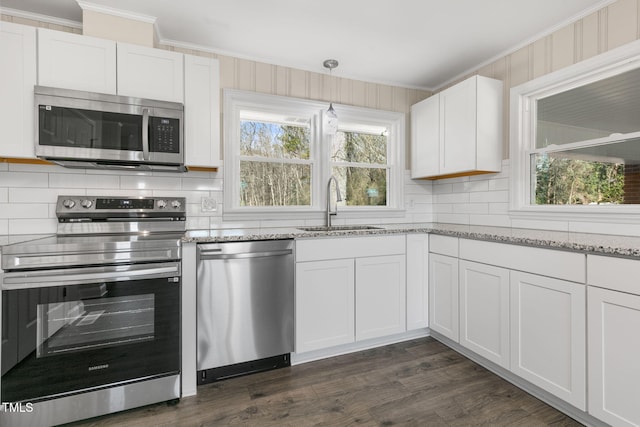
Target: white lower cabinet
(443, 295)
(548, 333)
(380, 296)
(324, 304)
(417, 281)
(614, 355)
(349, 289)
(484, 311)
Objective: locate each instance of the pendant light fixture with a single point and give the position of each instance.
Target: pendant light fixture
(331, 118)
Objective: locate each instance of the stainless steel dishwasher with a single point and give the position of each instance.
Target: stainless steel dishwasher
(245, 307)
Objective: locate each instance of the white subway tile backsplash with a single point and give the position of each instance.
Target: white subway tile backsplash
(34, 195)
(202, 184)
(4, 195)
(4, 226)
(23, 210)
(4, 167)
(65, 180)
(150, 183)
(452, 198)
(32, 226)
(605, 228)
(491, 220)
(498, 184)
(499, 208)
(471, 208)
(489, 196)
(442, 188)
(24, 179)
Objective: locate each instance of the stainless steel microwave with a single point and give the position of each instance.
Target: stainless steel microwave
(93, 130)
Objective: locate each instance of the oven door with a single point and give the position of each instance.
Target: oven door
(73, 330)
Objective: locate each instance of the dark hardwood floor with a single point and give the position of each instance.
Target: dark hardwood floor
(415, 383)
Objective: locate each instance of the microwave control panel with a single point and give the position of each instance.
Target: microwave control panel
(164, 135)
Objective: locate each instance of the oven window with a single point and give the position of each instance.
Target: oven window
(76, 326)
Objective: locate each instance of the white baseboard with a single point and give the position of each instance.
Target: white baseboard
(310, 356)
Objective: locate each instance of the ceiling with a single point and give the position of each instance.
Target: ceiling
(410, 43)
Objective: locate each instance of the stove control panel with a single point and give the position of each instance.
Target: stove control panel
(75, 208)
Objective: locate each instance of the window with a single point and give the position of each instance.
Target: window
(359, 162)
(575, 138)
(279, 159)
(275, 160)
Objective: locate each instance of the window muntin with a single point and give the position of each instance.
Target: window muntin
(586, 143)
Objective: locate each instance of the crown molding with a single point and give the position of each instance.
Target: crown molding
(85, 5)
(40, 18)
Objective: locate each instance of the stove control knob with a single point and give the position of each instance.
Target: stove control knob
(68, 203)
(176, 204)
(162, 204)
(86, 203)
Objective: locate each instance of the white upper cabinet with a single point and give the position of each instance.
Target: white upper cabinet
(425, 126)
(458, 131)
(72, 61)
(202, 111)
(144, 72)
(17, 78)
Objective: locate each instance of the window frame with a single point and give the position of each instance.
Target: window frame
(237, 100)
(522, 137)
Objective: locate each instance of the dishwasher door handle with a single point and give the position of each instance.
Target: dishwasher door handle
(215, 254)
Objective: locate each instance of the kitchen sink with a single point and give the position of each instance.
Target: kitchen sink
(340, 228)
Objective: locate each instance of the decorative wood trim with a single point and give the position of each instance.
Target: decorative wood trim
(457, 175)
(201, 169)
(25, 161)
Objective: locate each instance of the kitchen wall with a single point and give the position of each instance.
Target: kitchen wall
(28, 192)
(483, 199)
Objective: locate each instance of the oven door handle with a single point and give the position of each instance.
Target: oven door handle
(79, 276)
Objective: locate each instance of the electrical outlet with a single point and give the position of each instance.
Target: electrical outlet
(209, 204)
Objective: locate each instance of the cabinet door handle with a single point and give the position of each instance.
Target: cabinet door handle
(145, 134)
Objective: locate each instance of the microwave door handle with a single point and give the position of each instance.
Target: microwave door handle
(145, 134)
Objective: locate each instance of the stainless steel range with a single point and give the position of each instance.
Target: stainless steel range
(91, 316)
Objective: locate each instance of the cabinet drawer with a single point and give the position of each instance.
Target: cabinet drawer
(618, 274)
(546, 262)
(348, 247)
(443, 245)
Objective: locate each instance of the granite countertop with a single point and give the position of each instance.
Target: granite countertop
(601, 244)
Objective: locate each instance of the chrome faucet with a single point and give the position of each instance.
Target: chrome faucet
(338, 199)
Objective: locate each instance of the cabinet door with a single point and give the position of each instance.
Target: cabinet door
(324, 304)
(202, 111)
(72, 61)
(17, 78)
(614, 351)
(425, 137)
(144, 72)
(458, 128)
(548, 327)
(417, 281)
(484, 311)
(443, 295)
(380, 296)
